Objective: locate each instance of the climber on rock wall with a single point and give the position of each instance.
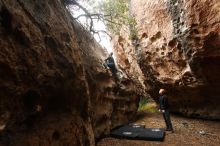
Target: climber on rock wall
(164, 108)
(110, 63)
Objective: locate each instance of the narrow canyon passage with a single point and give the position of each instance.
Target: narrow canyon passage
(55, 87)
(187, 132)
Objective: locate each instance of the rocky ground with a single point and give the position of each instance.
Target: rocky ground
(188, 132)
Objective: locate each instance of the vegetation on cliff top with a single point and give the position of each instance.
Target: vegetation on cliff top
(113, 13)
(117, 11)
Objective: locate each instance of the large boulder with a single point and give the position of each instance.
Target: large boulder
(54, 89)
(179, 49)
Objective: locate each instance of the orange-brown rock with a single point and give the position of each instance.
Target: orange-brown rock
(54, 89)
(127, 61)
(179, 49)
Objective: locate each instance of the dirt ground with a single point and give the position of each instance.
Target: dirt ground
(187, 132)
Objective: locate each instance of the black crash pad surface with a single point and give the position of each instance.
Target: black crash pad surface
(133, 131)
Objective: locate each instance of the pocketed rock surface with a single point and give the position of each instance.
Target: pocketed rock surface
(54, 89)
(177, 47)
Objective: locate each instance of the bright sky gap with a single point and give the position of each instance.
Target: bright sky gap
(98, 25)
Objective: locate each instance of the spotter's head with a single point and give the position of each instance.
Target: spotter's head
(162, 91)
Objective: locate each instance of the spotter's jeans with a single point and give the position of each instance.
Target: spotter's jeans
(166, 116)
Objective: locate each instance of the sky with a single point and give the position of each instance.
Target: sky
(98, 25)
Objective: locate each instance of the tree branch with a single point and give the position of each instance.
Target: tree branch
(91, 17)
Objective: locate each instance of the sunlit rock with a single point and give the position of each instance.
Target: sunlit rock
(180, 51)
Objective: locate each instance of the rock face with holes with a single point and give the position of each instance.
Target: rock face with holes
(178, 48)
(127, 61)
(54, 89)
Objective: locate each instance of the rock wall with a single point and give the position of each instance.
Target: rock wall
(54, 89)
(127, 61)
(178, 48)
(112, 102)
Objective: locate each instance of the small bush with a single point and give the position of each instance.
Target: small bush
(145, 105)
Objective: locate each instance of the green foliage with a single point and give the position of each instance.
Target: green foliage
(133, 34)
(145, 105)
(149, 108)
(143, 101)
(116, 13)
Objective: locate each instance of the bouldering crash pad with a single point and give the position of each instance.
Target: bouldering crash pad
(139, 132)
